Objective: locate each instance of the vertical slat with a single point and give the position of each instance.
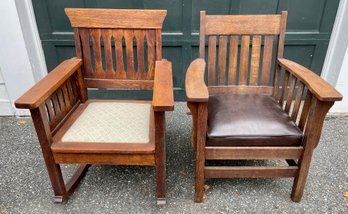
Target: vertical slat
(109, 67)
(150, 37)
(222, 60)
(87, 64)
(50, 112)
(202, 35)
(56, 106)
(255, 60)
(61, 101)
(280, 52)
(211, 60)
(66, 97)
(95, 34)
(77, 41)
(244, 60)
(267, 59)
(129, 53)
(290, 93)
(298, 100)
(233, 56)
(74, 90)
(305, 110)
(159, 44)
(284, 86)
(120, 71)
(139, 35)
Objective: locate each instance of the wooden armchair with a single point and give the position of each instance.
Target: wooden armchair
(251, 114)
(73, 129)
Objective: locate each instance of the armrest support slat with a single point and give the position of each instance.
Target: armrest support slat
(163, 97)
(321, 89)
(36, 95)
(196, 89)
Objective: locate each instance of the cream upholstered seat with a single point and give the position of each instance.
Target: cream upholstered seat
(111, 122)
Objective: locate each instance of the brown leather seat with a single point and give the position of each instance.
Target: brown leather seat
(249, 120)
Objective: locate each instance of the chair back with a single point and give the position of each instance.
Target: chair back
(240, 48)
(118, 47)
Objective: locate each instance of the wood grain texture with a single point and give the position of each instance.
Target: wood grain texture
(267, 60)
(250, 172)
(291, 92)
(252, 153)
(319, 87)
(163, 96)
(240, 89)
(244, 60)
(297, 103)
(119, 83)
(202, 115)
(284, 88)
(87, 60)
(120, 70)
(202, 34)
(95, 35)
(255, 60)
(115, 18)
(222, 55)
(150, 39)
(112, 159)
(196, 90)
(140, 35)
(36, 95)
(242, 24)
(211, 60)
(109, 66)
(128, 35)
(233, 56)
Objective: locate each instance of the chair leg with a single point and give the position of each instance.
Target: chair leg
(160, 158)
(200, 156)
(62, 191)
(301, 178)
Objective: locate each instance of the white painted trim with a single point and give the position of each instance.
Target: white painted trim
(335, 69)
(337, 46)
(32, 38)
(14, 57)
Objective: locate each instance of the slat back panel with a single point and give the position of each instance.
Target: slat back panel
(59, 104)
(128, 55)
(241, 48)
(118, 47)
(240, 60)
(295, 98)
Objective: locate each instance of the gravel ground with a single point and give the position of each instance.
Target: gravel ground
(25, 187)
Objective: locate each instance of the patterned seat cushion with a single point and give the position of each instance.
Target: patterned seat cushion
(111, 122)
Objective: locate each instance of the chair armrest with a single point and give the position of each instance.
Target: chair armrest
(163, 97)
(321, 89)
(36, 95)
(196, 90)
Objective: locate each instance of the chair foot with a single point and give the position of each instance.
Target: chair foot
(72, 184)
(58, 199)
(161, 201)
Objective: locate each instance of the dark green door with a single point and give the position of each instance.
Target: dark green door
(308, 31)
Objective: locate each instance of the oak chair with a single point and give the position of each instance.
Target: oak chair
(248, 112)
(73, 129)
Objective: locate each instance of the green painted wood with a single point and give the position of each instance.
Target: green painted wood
(309, 28)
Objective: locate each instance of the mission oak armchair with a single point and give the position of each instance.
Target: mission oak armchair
(248, 112)
(73, 129)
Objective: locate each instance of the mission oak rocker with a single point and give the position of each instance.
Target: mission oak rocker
(248, 112)
(73, 129)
